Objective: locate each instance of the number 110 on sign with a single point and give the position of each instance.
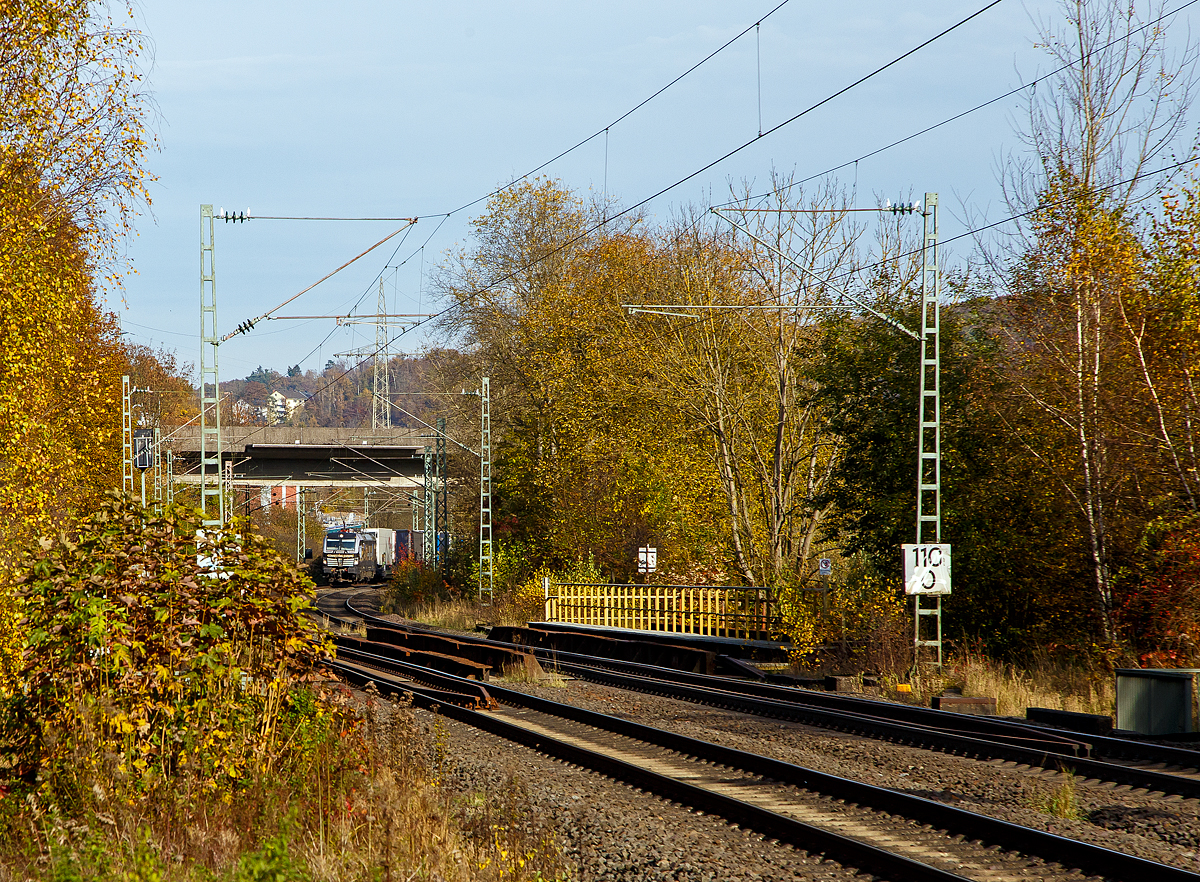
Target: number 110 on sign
(926, 569)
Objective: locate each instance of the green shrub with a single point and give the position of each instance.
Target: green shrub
(148, 659)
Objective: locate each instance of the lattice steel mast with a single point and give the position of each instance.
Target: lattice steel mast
(158, 470)
(929, 421)
(441, 513)
(301, 527)
(428, 539)
(126, 437)
(212, 490)
(486, 569)
(381, 409)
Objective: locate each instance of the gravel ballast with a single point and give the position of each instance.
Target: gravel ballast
(1161, 829)
(610, 831)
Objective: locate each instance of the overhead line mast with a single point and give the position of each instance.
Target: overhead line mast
(381, 408)
(487, 577)
(929, 425)
(212, 487)
(927, 562)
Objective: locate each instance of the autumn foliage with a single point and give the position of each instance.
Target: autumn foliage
(166, 656)
(72, 141)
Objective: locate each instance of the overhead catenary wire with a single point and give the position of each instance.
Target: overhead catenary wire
(966, 234)
(854, 162)
(1032, 84)
(250, 323)
(688, 177)
(768, 303)
(592, 229)
(622, 117)
(777, 127)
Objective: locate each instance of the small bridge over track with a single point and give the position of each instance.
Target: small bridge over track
(279, 460)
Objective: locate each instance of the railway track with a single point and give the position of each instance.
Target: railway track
(978, 737)
(891, 834)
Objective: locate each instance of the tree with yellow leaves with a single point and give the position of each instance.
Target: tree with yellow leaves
(72, 141)
(588, 460)
(1117, 103)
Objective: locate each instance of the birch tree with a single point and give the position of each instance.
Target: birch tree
(1095, 132)
(737, 371)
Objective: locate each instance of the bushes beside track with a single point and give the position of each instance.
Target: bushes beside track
(167, 716)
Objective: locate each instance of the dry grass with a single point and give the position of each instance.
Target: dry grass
(464, 615)
(450, 615)
(376, 804)
(537, 676)
(1060, 687)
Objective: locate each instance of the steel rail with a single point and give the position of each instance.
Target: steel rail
(930, 719)
(450, 683)
(726, 692)
(845, 850)
(904, 732)
(799, 705)
(368, 670)
(1131, 748)
(1102, 746)
(1070, 853)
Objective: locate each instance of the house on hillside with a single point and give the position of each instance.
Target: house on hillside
(279, 408)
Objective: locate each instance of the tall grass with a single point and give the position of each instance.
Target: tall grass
(450, 615)
(374, 803)
(1044, 683)
(466, 615)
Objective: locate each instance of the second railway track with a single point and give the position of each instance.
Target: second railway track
(892, 834)
(983, 738)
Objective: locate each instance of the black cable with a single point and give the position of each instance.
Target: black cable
(977, 107)
(767, 304)
(581, 236)
(693, 174)
(620, 118)
(1024, 214)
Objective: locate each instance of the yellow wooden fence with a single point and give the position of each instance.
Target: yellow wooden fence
(716, 611)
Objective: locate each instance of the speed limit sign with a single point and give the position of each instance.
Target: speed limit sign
(926, 569)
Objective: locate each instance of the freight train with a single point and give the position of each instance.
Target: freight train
(367, 555)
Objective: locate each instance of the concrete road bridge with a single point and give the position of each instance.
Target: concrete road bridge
(282, 459)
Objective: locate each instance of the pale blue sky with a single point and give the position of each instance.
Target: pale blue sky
(403, 108)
